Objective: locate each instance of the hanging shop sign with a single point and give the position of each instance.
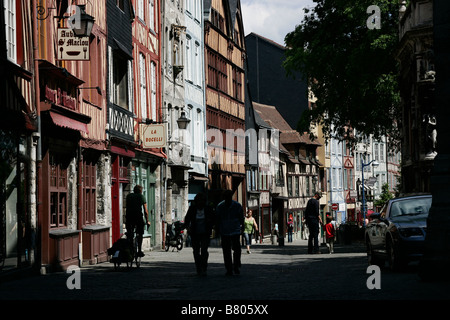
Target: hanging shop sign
(71, 47)
(153, 136)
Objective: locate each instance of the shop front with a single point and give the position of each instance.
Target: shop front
(144, 172)
(16, 230)
(121, 158)
(17, 154)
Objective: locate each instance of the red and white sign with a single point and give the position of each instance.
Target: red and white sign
(335, 206)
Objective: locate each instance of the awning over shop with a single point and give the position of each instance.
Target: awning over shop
(66, 122)
(155, 152)
(123, 151)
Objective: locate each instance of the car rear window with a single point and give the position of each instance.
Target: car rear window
(413, 206)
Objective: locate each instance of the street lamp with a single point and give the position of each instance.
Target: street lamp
(374, 163)
(86, 22)
(81, 23)
(183, 121)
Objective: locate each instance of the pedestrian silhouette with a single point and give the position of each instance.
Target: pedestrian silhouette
(199, 221)
(230, 221)
(313, 220)
(330, 233)
(136, 205)
(249, 226)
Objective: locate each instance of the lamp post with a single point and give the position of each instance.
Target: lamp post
(374, 163)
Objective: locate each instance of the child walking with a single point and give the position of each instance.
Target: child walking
(330, 232)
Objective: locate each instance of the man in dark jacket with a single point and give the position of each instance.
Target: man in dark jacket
(230, 221)
(199, 221)
(312, 218)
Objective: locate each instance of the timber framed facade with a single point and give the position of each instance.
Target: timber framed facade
(225, 108)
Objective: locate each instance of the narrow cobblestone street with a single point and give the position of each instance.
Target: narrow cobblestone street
(269, 273)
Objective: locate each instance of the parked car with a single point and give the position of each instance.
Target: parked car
(397, 233)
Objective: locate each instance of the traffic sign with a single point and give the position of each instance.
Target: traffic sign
(335, 206)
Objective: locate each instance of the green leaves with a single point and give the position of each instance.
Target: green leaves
(350, 68)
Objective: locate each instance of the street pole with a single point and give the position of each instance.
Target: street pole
(363, 193)
(436, 260)
(375, 164)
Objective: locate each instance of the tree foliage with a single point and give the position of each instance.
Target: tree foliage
(385, 196)
(350, 68)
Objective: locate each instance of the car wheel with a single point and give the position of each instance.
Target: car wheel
(371, 258)
(179, 243)
(394, 261)
(167, 245)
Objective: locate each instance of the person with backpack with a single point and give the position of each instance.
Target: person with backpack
(290, 228)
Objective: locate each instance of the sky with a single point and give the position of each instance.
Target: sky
(273, 19)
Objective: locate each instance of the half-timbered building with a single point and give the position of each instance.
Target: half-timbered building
(73, 186)
(120, 101)
(149, 131)
(225, 118)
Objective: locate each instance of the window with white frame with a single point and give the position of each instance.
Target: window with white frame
(198, 136)
(151, 14)
(120, 79)
(10, 29)
(198, 65)
(376, 146)
(141, 11)
(153, 91)
(188, 66)
(189, 5)
(143, 85)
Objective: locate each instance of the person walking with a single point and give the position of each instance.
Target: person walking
(230, 221)
(330, 232)
(290, 228)
(249, 225)
(199, 221)
(312, 218)
(134, 223)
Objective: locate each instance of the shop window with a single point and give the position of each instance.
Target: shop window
(58, 194)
